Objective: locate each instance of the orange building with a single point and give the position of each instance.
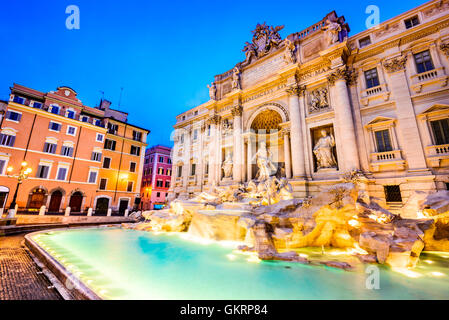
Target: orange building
(79, 157)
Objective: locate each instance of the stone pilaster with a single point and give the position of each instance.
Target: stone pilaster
(213, 155)
(408, 127)
(287, 155)
(296, 93)
(238, 144)
(344, 119)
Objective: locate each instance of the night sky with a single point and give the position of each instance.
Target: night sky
(162, 53)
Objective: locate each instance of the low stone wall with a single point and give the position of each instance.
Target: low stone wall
(36, 219)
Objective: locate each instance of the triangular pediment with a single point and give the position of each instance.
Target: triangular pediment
(436, 108)
(380, 119)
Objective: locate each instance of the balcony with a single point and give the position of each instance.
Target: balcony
(436, 78)
(389, 160)
(191, 180)
(438, 156)
(375, 93)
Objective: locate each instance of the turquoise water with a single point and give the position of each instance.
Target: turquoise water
(128, 264)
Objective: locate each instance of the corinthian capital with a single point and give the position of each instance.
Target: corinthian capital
(296, 90)
(339, 74)
(215, 119)
(237, 111)
(395, 64)
(445, 48)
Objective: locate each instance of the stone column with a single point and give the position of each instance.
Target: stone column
(408, 127)
(186, 169)
(249, 158)
(238, 144)
(288, 164)
(344, 119)
(213, 153)
(297, 142)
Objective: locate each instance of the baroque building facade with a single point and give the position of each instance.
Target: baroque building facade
(324, 104)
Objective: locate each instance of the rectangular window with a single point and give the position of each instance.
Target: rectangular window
(168, 172)
(93, 176)
(167, 184)
(159, 183)
(70, 114)
(208, 130)
(19, 100)
(161, 159)
(160, 171)
(66, 151)
(110, 144)
(193, 169)
(132, 167)
(96, 156)
(112, 128)
(411, 22)
(130, 186)
(206, 170)
(55, 109)
(7, 140)
(383, 141)
(53, 126)
(42, 172)
(50, 147)
(179, 171)
(103, 183)
(195, 134)
(37, 105)
(71, 131)
(2, 166)
(99, 137)
(137, 135)
(392, 194)
(13, 116)
(423, 61)
(84, 118)
(106, 163)
(135, 151)
(440, 129)
(364, 42)
(182, 138)
(158, 194)
(62, 174)
(168, 160)
(372, 78)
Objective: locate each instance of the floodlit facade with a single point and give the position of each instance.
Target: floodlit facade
(157, 171)
(323, 104)
(80, 157)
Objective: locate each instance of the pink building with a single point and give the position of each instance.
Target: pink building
(156, 177)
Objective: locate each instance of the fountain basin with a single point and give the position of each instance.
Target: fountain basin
(115, 263)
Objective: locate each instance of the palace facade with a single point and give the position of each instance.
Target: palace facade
(325, 104)
(79, 157)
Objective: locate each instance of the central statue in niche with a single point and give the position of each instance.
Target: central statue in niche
(323, 151)
(264, 163)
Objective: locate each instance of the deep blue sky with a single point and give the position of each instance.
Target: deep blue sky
(163, 53)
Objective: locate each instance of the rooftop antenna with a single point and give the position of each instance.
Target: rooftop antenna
(102, 96)
(120, 99)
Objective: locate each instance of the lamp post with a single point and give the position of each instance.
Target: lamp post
(23, 175)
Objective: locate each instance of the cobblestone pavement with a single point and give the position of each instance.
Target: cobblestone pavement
(19, 278)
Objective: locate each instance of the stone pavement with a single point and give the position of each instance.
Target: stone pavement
(19, 278)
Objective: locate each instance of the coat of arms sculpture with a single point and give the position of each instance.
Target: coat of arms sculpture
(265, 38)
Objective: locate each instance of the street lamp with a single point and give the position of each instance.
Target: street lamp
(23, 175)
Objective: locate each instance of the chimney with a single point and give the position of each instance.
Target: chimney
(104, 104)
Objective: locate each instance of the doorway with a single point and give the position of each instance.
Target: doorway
(37, 199)
(102, 206)
(75, 202)
(55, 201)
(4, 191)
(123, 206)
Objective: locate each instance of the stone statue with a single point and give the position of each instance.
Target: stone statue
(333, 29)
(227, 127)
(264, 162)
(250, 52)
(236, 79)
(289, 54)
(227, 166)
(323, 151)
(275, 38)
(212, 91)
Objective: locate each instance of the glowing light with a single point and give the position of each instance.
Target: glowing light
(382, 219)
(407, 272)
(231, 257)
(253, 259)
(28, 171)
(303, 255)
(437, 274)
(9, 169)
(353, 223)
(428, 261)
(124, 176)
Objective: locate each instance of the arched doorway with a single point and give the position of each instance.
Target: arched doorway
(265, 129)
(37, 199)
(102, 206)
(76, 201)
(55, 201)
(4, 191)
